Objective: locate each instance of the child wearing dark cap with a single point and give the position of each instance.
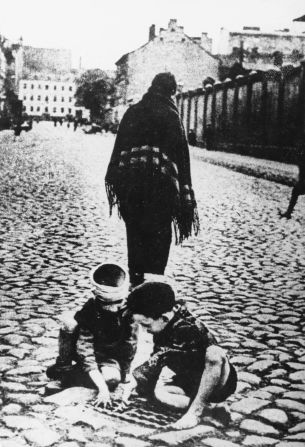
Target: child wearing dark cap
(101, 338)
(200, 370)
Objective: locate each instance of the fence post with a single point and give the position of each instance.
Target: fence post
(204, 113)
(224, 105)
(235, 111)
(301, 105)
(198, 91)
(189, 105)
(264, 109)
(280, 109)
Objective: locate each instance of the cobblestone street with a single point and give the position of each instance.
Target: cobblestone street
(244, 275)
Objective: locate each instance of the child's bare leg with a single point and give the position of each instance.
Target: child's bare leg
(214, 376)
(172, 396)
(66, 347)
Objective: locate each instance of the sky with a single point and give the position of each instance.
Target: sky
(101, 31)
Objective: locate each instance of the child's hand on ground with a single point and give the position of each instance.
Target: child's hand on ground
(103, 399)
(189, 420)
(126, 389)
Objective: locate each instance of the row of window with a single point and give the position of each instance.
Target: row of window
(47, 87)
(46, 109)
(47, 98)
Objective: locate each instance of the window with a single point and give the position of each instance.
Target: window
(24, 108)
(39, 86)
(38, 98)
(55, 87)
(62, 99)
(46, 87)
(63, 88)
(62, 110)
(24, 85)
(70, 88)
(46, 109)
(54, 109)
(69, 110)
(55, 98)
(32, 86)
(70, 99)
(24, 98)
(38, 109)
(31, 108)
(47, 98)
(31, 98)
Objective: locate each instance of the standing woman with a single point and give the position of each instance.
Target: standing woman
(149, 179)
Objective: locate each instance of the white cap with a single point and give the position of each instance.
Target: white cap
(110, 282)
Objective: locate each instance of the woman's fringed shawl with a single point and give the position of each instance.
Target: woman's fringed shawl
(151, 148)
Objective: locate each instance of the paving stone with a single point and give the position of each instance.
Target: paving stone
(123, 441)
(13, 442)
(174, 437)
(5, 433)
(26, 370)
(72, 395)
(22, 422)
(72, 444)
(259, 428)
(249, 405)
(298, 376)
(242, 360)
(295, 395)
(290, 444)
(252, 344)
(297, 428)
(215, 442)
(24, 399)
(11, 409)
(42, 437)
(288, 404)
(274, 416)
(259, 441)
(249, 378)
(13, 386)
(261, 366)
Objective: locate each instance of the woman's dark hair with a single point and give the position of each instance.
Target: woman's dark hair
(164, 83)
(151, 299)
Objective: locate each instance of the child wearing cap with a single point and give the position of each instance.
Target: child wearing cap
(101, 338)
(200, 370)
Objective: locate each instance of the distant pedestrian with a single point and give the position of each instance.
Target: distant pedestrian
(298, 189)
(149, 179)
(75, 124)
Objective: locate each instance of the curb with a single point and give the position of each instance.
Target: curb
(274, 171)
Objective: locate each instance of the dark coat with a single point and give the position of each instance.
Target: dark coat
(153, 125)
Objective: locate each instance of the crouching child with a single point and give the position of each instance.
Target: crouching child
(200, 370)
(98, 343)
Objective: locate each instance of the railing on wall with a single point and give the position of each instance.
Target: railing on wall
(261, 114)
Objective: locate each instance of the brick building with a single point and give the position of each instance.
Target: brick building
(189, 59)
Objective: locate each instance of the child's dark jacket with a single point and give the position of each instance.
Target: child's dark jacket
(105, 335)
(181, 346)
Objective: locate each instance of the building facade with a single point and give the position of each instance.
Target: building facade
(260, 50)
(47, 97)
(171, 50)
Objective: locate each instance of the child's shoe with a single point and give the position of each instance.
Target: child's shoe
(58, 370)
(53, 388)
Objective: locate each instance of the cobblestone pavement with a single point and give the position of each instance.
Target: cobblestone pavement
(244, 275)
